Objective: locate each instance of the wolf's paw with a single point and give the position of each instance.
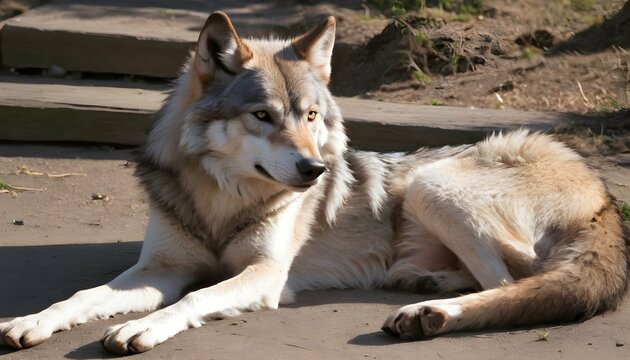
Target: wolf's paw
(417, 321)
(24, 332)
(134, 337)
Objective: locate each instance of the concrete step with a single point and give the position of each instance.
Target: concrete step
(117, 112)
(141, 37)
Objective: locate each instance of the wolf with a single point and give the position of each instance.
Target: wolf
(255, 195)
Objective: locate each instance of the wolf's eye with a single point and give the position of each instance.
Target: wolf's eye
(312, 115)
(262, 116)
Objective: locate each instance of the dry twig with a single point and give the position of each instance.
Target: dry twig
(26, 171)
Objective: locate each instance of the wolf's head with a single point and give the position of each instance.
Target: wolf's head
(254, 110)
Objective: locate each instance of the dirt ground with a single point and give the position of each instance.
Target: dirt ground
(82, 230)
(560, 55)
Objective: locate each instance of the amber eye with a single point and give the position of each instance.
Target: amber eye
(262, 115)
(312, 115)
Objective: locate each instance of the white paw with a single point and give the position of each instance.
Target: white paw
(24, 332)
(137, 336)
(417, 321)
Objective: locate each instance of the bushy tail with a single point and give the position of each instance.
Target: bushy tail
(585, 274)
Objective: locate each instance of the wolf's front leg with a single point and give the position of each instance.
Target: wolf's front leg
(149, 284)
(260, 256)
(257, 287)
(136, 289)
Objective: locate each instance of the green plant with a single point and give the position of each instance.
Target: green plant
(4, 185)
(463, 17)
(582, 5)
(436, 102)
(528, 52)
(462, 6)
(422, 38)
(613, 105)
(590, 19)
(624, 209)
(422, 78)
(398, 7)
(454, 62)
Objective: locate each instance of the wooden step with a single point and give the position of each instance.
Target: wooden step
(141, 37)
(116, 112)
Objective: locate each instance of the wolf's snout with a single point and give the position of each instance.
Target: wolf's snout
(310, 169)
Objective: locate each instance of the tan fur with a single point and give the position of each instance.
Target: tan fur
(243, 205)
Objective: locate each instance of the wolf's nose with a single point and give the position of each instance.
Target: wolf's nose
(310, 169)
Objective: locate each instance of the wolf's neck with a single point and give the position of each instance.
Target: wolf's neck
(223, 208)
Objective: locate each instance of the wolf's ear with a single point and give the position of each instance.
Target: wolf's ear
(316, 47)
(219, 47)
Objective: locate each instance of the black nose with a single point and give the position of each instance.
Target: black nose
(310, 169)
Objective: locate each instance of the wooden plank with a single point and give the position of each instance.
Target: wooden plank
(120, 113)
(381, 126)
(52, 93)
(77, 124)
(143, 37)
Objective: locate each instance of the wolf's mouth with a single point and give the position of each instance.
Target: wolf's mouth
(266, 174)
(262, 170)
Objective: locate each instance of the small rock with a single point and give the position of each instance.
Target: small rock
(18, 222)
(99, 196)
(56, 71)
(619, 344)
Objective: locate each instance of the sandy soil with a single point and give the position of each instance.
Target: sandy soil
(70, 241)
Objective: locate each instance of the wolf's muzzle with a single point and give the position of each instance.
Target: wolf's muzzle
(310, 169)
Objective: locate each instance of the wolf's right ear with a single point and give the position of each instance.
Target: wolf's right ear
(220, 48)
(316, 47)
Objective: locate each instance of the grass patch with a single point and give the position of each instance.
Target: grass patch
(582, 5)
(422, 78)
(610, 107)
(4, 185)
(462, 17)
(422, 38)
(401, 7)
(528, 52)
(398, 7)
(589, 20)
(436, 102)
(624, 209)
(462, 6)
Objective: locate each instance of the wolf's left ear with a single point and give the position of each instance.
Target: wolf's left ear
(316, 47)
(219, 47)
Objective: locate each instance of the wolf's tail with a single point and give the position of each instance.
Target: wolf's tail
(585, 274)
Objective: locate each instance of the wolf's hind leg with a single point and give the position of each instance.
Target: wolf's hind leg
(424, 265)
(459, 220)
(435, 282)
(149, 284)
